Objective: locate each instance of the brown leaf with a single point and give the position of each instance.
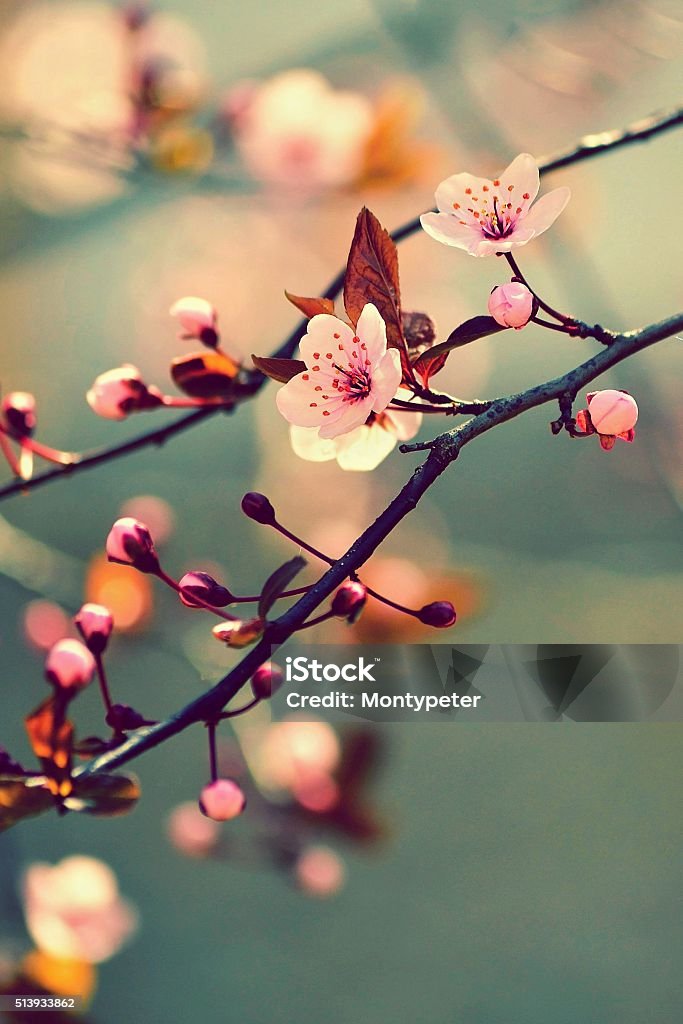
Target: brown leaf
(105, 795)
(277, 582)
(311, 307)
(430, 362)
(372, 276)
(51, 736)
(278, 369)
(22, 797)
(205, 374)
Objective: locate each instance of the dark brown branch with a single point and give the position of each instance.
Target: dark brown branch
(442, 452)
(586, 148)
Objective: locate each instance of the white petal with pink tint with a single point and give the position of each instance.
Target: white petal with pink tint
(546, 211)
(523, 175)
(309, 446)
(386, 379)
(365, 448)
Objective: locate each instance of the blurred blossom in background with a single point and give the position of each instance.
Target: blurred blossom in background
(224, 151)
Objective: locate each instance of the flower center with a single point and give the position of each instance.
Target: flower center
(354, 382)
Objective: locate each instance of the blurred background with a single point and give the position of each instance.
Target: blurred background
(535, 879)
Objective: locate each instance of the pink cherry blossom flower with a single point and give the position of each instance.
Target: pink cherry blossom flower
(511, 305)
(73, 909)
(362, 449)
(485, 217)
(222, 800)
(347, 378)
(610, 414)
(296, 130)
(95, 624)
(130, 543)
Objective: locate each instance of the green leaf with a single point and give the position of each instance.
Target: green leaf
(278, 582)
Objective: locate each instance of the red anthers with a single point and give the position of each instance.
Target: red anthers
(267, 680)
(440, 614)
(206, 588)
(222, 800)
(257, 507)
(69, 666)
(349, 601)
(130, 543)
(95, 623)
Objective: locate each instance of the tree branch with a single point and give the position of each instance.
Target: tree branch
(443, 450)
(587, 147)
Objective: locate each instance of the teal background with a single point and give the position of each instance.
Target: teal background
(532, 872)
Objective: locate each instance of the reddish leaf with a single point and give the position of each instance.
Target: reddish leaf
(431, 361)
(310, 307)
(51, 736)
(372, 276)
(22, 797)
(278, 369)
(205, 374)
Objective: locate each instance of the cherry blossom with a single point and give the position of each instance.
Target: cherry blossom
(296, 130)
(73, 909)
(222, 800)
(485, 217)
(118, 392)
(349, 376)
(610, 414)
(69, 665)
(511, 305)
(363, 448)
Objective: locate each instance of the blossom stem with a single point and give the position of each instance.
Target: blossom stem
(104, 685)
(44, 451)
(8, 453)
(213, 759)
(240, 711)
(174, 402)
(552, 327)
(253, 598)
(170, 582)
(544, 305)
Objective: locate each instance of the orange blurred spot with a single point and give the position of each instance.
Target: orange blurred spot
(59, 976)
(127, 593)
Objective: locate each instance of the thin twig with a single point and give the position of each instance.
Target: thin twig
(586, 148)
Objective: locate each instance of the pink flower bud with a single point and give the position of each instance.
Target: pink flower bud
(198, 319)
(511, 305)
(204, 587)
(130, 543)
(349, 600)
(191, 832)
(256, 506)
(441, 614)
(319, 871)
(222, 800)
(94, 622)
(69, 666)
(19, 413)
(267, 680)
(121, 391)
(612, 412)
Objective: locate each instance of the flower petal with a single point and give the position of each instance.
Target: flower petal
(325, 333)
(523, 175)
(307, 444)
(351, 415)
(364, 448)
(386, 378)
(446, 228)
(372, 332)
(298, 402)
(453, 190)
(403, 425)
(546, 210)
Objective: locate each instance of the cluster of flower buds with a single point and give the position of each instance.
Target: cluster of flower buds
(207, 379)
